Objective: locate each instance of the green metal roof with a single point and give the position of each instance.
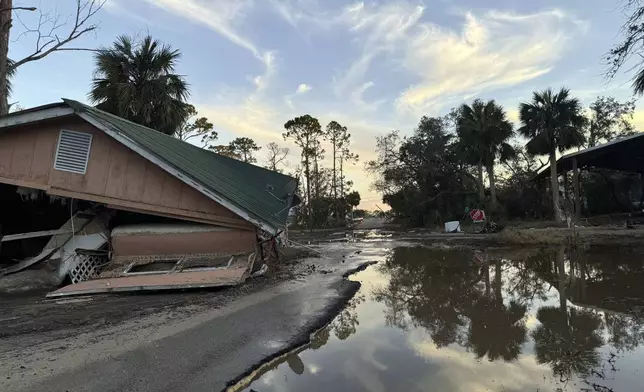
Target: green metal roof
(265, 195)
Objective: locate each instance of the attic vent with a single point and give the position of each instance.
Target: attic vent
(72, 152)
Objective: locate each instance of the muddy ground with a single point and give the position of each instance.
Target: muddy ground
(33, 313)
(200, 340)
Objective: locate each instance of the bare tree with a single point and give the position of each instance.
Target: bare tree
(276, 156)
(51, 35)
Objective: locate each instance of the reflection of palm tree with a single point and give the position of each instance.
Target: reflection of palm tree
(497, 330)
(568, 340)
(434, 288)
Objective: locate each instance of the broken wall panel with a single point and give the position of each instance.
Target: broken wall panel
(165, 240)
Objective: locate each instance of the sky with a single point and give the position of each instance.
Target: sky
(373, 66)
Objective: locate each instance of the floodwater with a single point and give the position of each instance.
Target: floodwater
(466, 320)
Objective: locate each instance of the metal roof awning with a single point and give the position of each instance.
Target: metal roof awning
(624, 154)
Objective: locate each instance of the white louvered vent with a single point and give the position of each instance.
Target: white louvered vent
(72, 152)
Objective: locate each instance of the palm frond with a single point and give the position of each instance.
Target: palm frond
(137, 81)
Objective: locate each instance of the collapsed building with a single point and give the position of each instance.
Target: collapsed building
(103, 204)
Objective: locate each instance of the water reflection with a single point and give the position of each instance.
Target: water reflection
(540, 319)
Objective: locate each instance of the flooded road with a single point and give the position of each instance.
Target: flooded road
(466, 320)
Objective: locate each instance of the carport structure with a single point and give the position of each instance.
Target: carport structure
(625, 154)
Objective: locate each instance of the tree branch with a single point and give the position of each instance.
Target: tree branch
(85, 10)
(77, 49)
(18, 9)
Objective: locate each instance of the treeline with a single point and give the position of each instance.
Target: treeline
(474, 157)
(326, 192)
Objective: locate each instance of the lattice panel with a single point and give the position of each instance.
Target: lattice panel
(87, 267)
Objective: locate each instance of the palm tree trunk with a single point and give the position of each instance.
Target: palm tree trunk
(341, 176)
(554, 185)
(480, 184)
(335, 188)
(307, 174)
(490, 174)
(562, 278)
(498, 282)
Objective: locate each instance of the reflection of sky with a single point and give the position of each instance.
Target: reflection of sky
(384, 358)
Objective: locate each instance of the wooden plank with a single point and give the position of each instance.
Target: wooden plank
(98, 165)
(152, 209)
(33, 234)
(116, 175)
(23, 154)
(162, 281)
(43, 160)
(27, 184)
(134, 177)
(6, 154)
(153, 184)
(188, 199)
(171, 193)
(216, 222)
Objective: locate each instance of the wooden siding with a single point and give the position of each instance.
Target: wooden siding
(113, 171)
(174, 244)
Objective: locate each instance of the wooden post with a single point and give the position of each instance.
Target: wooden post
(575, 185)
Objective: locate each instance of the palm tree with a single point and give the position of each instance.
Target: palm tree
(484, 130)
(497, 330)
(136, 81)
(568, 340)
(552, 122)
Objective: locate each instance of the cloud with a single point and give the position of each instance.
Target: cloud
(463, 371)
(303, 89)
(358, 100)
(302, 13)
(262, 81)
(300, 90)
(379, 29)
(222, 16)
(490, 50)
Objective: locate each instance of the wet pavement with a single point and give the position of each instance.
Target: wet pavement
(429, 319)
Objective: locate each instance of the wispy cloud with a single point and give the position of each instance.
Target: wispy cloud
(303, 13)
(262, 81)
(222, 16)
(493, 50)
(357, 98)
(303, 88)
(378, 30)
(300, 90)
(490, 50)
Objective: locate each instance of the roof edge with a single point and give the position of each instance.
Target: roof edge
(37, 114)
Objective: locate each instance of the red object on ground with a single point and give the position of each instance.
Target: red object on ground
(477, 215)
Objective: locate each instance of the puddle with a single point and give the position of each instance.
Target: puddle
(462, 320)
